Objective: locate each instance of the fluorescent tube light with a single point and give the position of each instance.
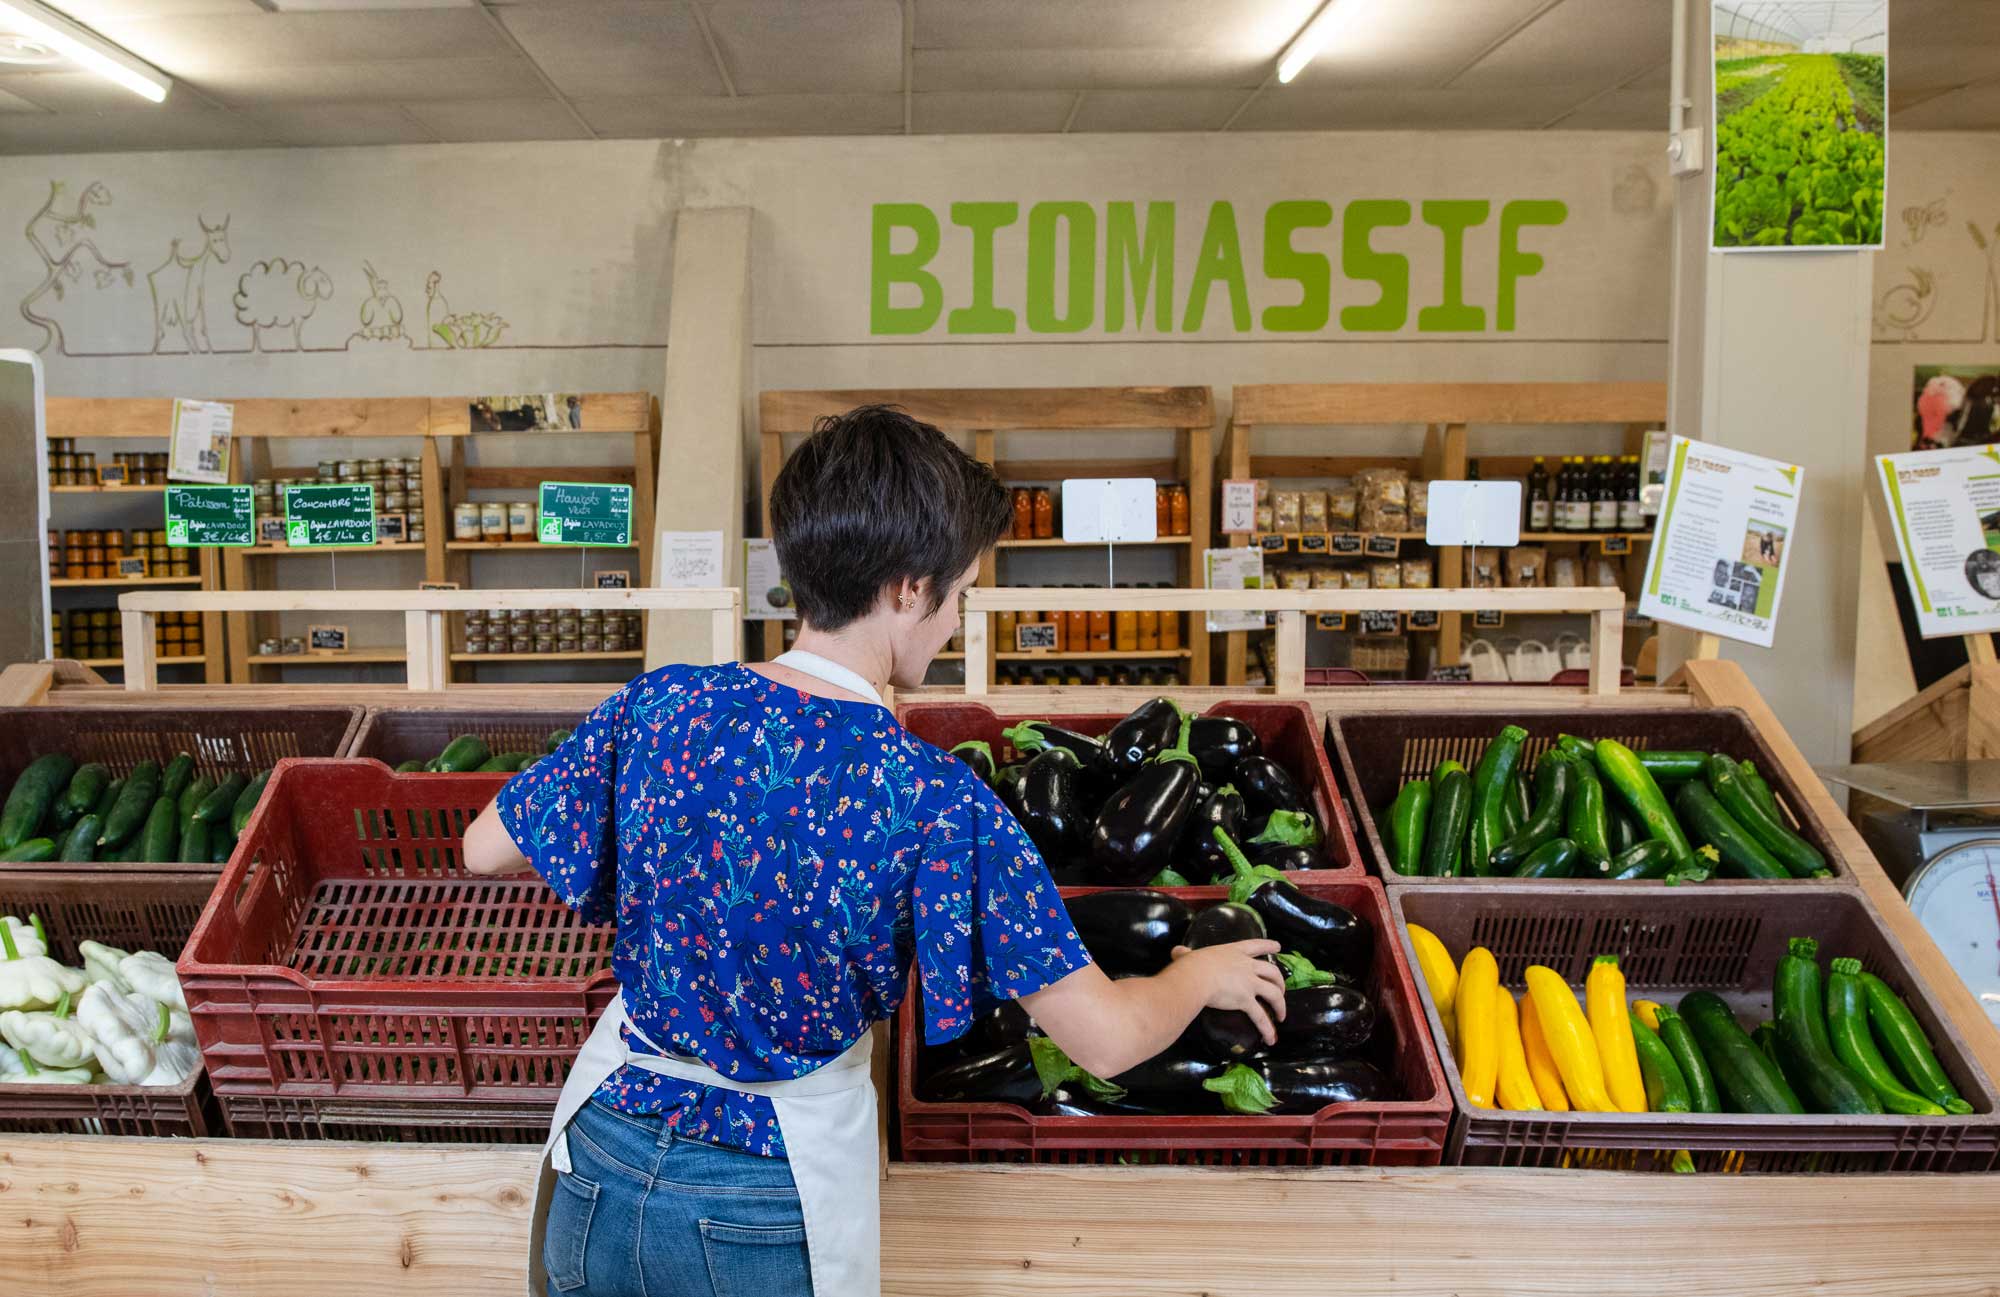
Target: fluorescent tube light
(1311, 39)
(85, 47)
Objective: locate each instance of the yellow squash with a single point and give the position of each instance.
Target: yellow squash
(1515, 1087)
(1541, 1064)
(1478, 1026)
(1440, 978)
(1569, 1040)
(1648, 1011)
(1611, 1025)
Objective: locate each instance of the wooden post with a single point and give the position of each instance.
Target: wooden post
(424, 645)
(726, 632)
(240, 629)
(1707, 647)
(1979, 650)
(437, 514)
(1451, 559)
(1236, 451)
(642, 503)
(770, 458)
(142, 668)
(1201, 527)
(1607, 649)
(1291, 663)
(978, 657)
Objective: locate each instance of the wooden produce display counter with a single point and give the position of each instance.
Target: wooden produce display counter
(114, 1217)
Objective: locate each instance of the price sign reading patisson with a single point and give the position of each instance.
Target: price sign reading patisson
(329, 517)
(586, 513)
(210, 515)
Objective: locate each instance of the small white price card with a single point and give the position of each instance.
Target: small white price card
(1481, 514)
(1721, 541)
(1113, 510)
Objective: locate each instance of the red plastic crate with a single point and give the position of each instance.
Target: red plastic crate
(347, 955)
(1287, 730)
(1405, 1132)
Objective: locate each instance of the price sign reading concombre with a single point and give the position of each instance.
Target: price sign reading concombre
(586, 513)
(210, 515)
(329, 517)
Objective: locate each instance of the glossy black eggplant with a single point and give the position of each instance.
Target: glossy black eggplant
(1227, 1033)
(1007, 784)
(978, 754)
(1050, 805)
(1200, 859)
(1219, 742)
(1303, 1086)
(1150, 729)
(1289, 859)
(1332, 936)
(1001, 1076)
(1030, 737)
(1171, 1077)
(1266, 787)
(1324, 1022)
(1138, 832)
(1072, 1100)
(1132, 930)
(1006, 1023)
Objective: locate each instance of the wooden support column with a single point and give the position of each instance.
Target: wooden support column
(1200, 476)
(644, 484)
(142, 668)
(240, 630)
(1451, 559)
(437, 513)
(770, 458)
(425, 642)
(1236, 453)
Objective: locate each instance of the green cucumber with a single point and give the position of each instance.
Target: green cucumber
(415, 765)
(81, 842)
(1492, 789)
(193, 849)
(1554, 775)
(86, 786)
(220, 843)
(1664, 763)
(466, 752)
(1799, 1007)
(1666, 1088)
(1408, 816)
(1586, 820)
(1556, 858)
(246, 803)
(1518, 806)
(508, 762)
(1674, 1034)
(1647, 860)
(1903, 1036)
(1744, 1076)
(1451, 811)
(1624, 832)
(135, 803)
(192, 797)
(1760, 790)
(174, 779)
(1737, 851)
(1792, 851)
(555, 740)
(33, 793)
(219, 802)
(1854, 1045)
(162, 832)
(1636, 786)
(109, 799)
(30, 849)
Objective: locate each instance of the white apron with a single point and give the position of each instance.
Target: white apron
(827, 1119)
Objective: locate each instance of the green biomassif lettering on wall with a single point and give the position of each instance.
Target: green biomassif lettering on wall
(1123, 255)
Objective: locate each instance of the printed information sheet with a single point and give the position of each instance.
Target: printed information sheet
(1944, 506)
(1721, 541)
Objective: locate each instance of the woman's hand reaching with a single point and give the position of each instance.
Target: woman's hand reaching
(1240, 976)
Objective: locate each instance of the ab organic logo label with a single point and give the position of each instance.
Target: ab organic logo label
(1080, 257)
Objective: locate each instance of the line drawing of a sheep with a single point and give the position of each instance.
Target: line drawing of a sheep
(278, 294)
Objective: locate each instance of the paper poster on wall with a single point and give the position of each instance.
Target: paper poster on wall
(1720, 546)
(1241, 568)
(766, 597)
(1800, 127)
(198, 443)
(1239, 506)
(692, 560)
(1944, 507)
(1955, 405)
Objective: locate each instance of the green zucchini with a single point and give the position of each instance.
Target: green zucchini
(1636, 786)
(135, 803)
(220, 843)
(174, 779)
(221, 800)
(1492, 789)
(108, 799)
(1759, 789)
(555, 740)
(1792, 851)
(86, 786)
(1903, 1036)
(1554, 776)
(1649, 859)
(1556, 858)
(246, 803)
(30, 849)
(161, 834)
(1451, 812)
(61, 816)
(1585, 819)
(81, 841)
(1799, 1006)
(1744, 1076)
(415, 765)
(1408, 815)
(193, 849)
(1518, 806)
(1854, 1045)
(1674, 1034)
(508, 762)
(1666, 1087)
(1665, 763)
(192, 797)
(1738, 852)
(466, 752)
(1624, 832)
(33, 793)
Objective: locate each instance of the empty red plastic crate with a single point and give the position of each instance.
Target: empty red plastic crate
(347, 954)
(1286, 729)
(1409, 1131)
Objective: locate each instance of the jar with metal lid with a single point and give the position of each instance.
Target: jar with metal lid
(414, 530)
(270, 648)
(590, 644)
(475, 622)
(614, 643)
(544, 625)
(395, 501)
(63, 462)
(294, 644)
(86, 465)
(569, 623)
(347, 469)
(329, 469)
(496, 614)
(566, 644)
(493, 520)
(465, 521)
(475, 643)
(520, 644)
(521, 519)
(545, 643)
(521, 617)
(409, 466)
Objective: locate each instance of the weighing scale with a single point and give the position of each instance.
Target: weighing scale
(1943, 845)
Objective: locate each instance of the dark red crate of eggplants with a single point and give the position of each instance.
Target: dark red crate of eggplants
(1378, 751)
(1670, 942)
(347, 955)
(1286, 730)
(1409, 1131)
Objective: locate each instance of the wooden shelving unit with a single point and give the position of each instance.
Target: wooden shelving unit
(988, 415)
(120, 582)
(1451, 416)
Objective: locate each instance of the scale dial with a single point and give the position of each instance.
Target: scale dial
(1956, 896)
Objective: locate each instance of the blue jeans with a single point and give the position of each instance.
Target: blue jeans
(644, 1213)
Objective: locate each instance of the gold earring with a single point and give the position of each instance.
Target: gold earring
(907, 600)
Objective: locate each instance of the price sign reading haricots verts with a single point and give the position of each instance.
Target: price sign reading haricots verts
(329, 517)
(585, 513)
(210, 515)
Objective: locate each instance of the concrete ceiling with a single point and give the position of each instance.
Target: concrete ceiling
(264, 73)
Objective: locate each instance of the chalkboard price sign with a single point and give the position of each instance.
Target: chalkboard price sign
(1348, 542)
(210, 515)
(1378, 622)
(1035, 637)
(1457, 671)
(1487, 618)
(1314, 542)
(1271, 542)
(1423, 619)
(586, 513)
(1383, 546)
(330, 517)
(1330, 620)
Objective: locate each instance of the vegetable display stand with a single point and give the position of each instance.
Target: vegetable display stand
(1284, 728)
(1378, 751)
(348, 960)
(1668, 943)
(132, 907)
(393, 735)
(1409, 1131)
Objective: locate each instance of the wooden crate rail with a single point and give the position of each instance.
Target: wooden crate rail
(1606, 606)
(426, 635)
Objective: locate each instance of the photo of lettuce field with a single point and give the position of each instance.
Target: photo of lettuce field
(1799, 156)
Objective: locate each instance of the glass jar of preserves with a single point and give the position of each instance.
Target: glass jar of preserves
(1024, 513)
(1163, 511)
(521, 519)
(1003, 631)
(1149, 630)
(1076, 630)
(1125, 624)
(493, 521)
(465, 521)
(1170, 631)
(1045, 513)
(1100, 630)
(1177, 507)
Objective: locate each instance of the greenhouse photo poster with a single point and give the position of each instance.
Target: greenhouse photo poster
(1801, 129)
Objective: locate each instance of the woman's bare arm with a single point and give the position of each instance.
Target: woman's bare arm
(489, 848)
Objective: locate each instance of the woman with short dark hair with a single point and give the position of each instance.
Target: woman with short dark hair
(777, 853)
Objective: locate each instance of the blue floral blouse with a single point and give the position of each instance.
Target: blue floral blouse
(774, 861)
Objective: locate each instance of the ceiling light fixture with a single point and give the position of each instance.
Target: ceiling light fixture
(84, 47)
(1311, 39)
